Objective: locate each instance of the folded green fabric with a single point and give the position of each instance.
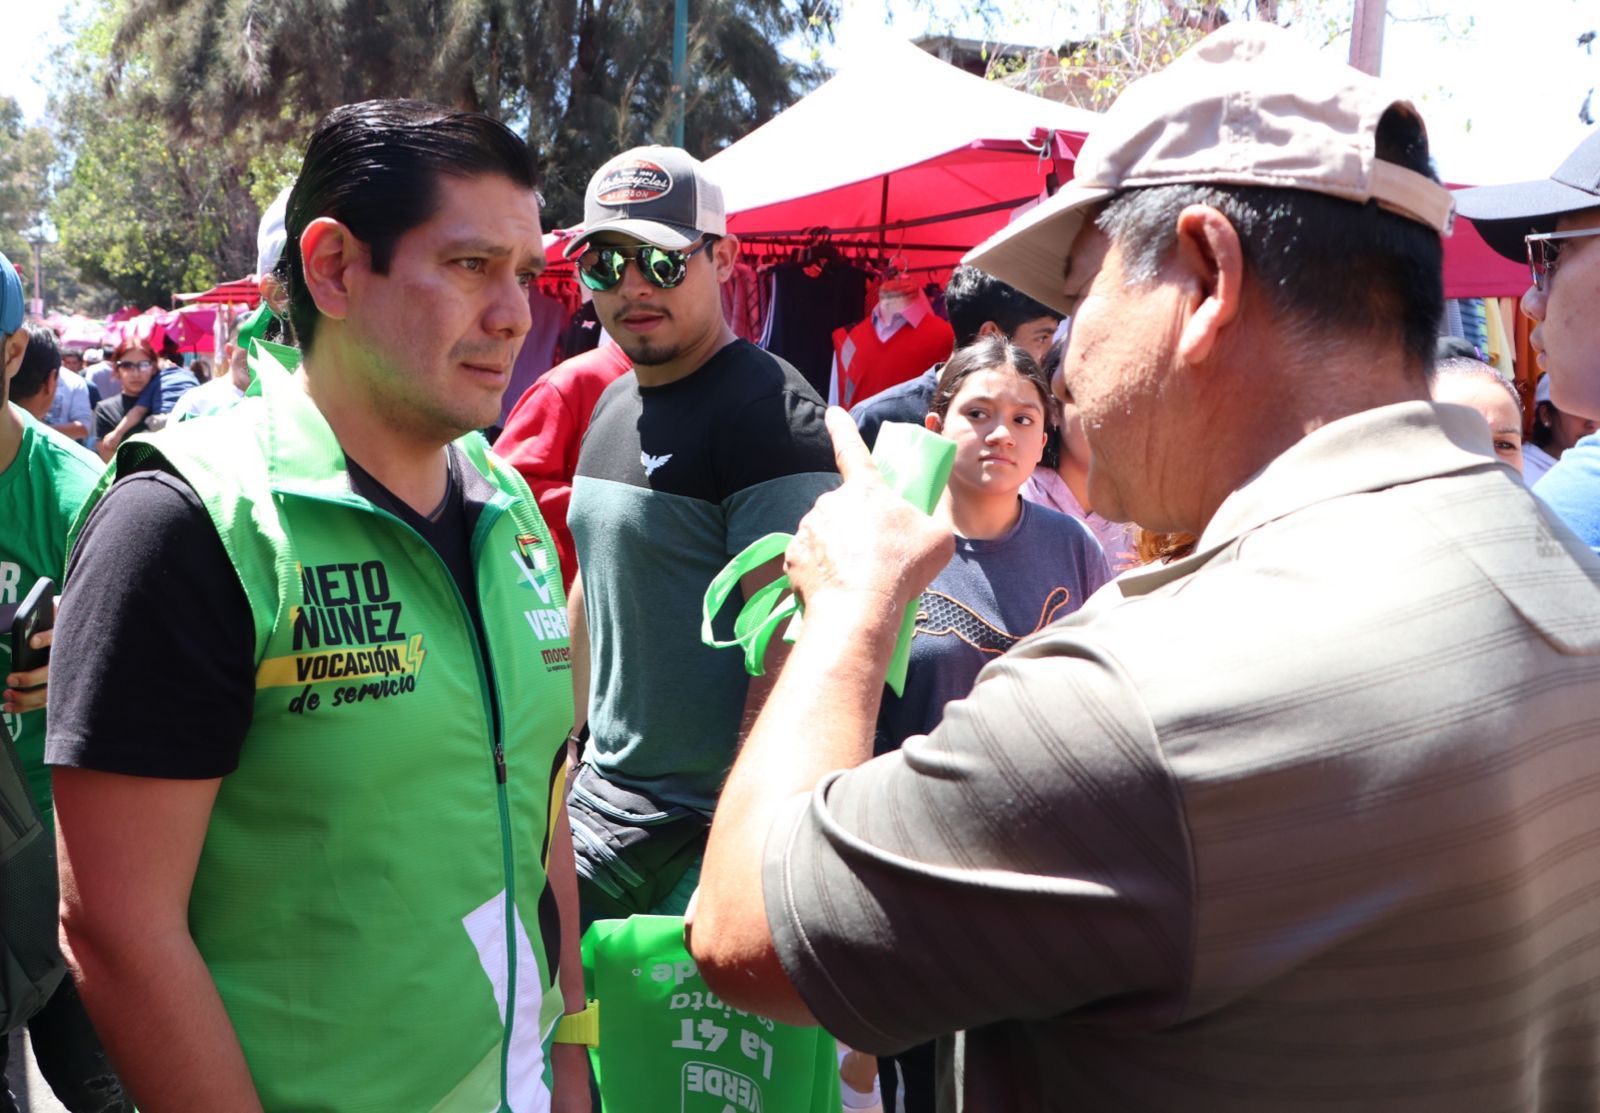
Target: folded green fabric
(915, 464)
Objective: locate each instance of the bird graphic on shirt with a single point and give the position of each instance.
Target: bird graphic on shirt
(938, 616)
(651, 463)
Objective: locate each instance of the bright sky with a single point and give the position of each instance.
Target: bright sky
(1500, 90)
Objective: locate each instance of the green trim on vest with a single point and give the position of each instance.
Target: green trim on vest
(368, 899)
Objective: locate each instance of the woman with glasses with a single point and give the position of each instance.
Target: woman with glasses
(133, 364)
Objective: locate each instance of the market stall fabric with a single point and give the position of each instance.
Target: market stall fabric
(241, 291)
(899, 152)
(1473, 270)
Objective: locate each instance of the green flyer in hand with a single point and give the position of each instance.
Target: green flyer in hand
(668, 1043)
(915, 464)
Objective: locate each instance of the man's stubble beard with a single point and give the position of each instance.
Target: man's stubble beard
(399, 401)
(652, 355)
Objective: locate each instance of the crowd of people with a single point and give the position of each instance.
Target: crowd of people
(1244, 758)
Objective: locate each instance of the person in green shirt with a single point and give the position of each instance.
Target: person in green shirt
(44, 479)
(309, 774)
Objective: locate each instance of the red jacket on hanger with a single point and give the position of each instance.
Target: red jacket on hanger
(886, 349)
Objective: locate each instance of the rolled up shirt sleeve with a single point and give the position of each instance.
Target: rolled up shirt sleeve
(1026, 860)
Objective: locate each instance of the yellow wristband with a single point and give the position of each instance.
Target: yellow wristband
(581, 1027)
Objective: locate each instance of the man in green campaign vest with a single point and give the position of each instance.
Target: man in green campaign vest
(310, 767)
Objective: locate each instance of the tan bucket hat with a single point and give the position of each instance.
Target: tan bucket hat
(1248, 105)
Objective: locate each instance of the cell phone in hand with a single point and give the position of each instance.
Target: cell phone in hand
(35, 613)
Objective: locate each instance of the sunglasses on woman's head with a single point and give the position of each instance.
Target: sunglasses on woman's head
(601, 266)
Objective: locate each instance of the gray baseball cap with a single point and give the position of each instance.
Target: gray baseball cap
(1503, 214)
(658, 195)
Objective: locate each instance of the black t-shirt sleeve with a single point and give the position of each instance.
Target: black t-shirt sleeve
(153, 663)
(776, 435)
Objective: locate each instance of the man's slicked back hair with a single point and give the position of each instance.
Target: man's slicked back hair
(1339, 268)
(972, 297)
(375, 168)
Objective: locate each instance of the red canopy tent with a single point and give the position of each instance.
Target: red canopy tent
(899, 149)
(1474, 270)
(899, 152)
(241, 291)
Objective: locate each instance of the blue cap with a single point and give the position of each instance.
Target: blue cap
(10, 297)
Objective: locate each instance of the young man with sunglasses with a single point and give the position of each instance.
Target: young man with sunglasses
(1553, 223)
(706, 445)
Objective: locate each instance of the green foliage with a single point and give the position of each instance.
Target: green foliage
(142, 210)
(178, 121)
(26, 155)
(1124, 40)
(581, 79)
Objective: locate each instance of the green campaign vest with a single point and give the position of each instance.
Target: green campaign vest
(369, 896)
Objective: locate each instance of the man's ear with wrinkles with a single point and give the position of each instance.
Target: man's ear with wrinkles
(1210, 262)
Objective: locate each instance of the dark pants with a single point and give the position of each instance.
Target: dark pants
(70, 1058)
(907, 1080)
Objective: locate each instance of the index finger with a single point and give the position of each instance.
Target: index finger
(849, 450)
(29, 679)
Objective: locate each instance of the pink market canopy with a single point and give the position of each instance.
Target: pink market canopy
(79, 333)
(191, 327)
(901, 149)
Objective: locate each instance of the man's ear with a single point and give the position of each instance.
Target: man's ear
(933, 423)
(330, 253)
(1210, 264)
(724, 254)
(16, 346)
(989, 328)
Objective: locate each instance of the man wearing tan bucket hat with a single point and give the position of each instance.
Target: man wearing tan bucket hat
(1278, 825)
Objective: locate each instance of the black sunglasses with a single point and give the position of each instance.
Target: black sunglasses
(601, 266)
(135, 365)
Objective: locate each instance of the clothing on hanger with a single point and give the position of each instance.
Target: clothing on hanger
(742, 302)
(888, 347)
(803, 309)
